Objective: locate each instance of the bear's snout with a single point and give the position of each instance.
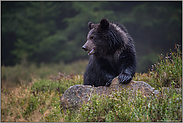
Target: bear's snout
(89, 46)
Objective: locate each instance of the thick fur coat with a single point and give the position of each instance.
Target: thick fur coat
(112, 53)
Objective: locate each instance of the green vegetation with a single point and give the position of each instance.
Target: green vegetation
(41, 58)
(39, 101)
(121, 107)
(24, 73)
(167, 71)
(50, 32)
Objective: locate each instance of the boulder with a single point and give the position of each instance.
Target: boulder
(74, 96)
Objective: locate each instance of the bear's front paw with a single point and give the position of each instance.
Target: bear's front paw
(124, 78)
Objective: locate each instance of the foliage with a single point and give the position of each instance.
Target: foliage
(40, 100)
(50, 32)
(24, 73)
(122, 107)
(24, 106)
(61, 83)
(167, 71)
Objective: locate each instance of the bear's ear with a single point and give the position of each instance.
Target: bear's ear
(104, 23)
(90, 25)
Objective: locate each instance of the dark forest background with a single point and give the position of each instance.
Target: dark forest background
(50, 32)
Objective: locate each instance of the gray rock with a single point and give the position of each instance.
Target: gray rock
(74, 96)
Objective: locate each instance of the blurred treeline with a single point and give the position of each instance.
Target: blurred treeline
(51, 32)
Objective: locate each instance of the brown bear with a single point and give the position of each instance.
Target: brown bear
(112, 53)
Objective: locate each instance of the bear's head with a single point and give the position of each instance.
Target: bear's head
(102, 39)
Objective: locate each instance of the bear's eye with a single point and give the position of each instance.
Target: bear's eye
(91, 37)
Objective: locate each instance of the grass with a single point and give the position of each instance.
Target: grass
(166, 72)
(24, 73)
(39, 101)
(121, 107)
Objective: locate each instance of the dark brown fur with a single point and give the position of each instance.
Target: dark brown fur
(112, 54)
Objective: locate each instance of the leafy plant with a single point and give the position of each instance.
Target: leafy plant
(123, 106)
(168, 71)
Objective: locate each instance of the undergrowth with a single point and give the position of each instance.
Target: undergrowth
(121, 107)
(166, 72)
(39, 101)
(24, 73)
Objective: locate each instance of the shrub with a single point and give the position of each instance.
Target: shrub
(37, 102)
(168, 71)
(123, 106)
